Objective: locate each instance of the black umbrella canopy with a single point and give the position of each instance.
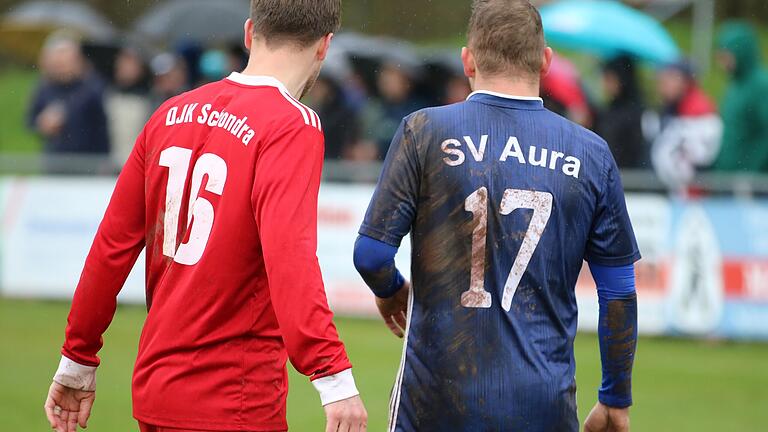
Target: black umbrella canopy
(24, 29)
(367, 55)
(337, 65)
(60, 14)
(448, 61)
(380, 49)
(203, 21)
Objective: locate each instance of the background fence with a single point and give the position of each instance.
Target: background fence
(703, 272)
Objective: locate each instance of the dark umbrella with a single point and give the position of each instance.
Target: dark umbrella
(367, 54)
(441, 67)
(380, 49)
(61, 14)
(446, 62)
(24, 29)
(337, 65)
(202, 21)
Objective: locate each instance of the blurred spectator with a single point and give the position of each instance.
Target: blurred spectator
(237, 57)
(620, 123)
(690, 128)
(67, 108)
(382, 117)
(356, 91)
(744, 108)
(340, 123)
(563, 93)
(127, 103)
(190, 52)
(170, 78)
(457, 90)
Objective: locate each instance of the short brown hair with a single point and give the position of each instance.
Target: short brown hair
(506, 36)
(298, 21)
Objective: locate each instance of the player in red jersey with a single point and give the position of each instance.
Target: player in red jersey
(221, 189)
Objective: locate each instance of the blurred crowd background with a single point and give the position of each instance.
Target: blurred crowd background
(676, 87)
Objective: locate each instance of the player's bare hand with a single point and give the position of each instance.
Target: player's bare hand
(50, 122)
(67, 408)
(348, 415)
(394, 310)
(606, 419)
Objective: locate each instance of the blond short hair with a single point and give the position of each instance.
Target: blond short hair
(506, 37)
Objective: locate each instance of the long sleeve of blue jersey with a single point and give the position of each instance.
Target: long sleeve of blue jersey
(617, 330)
(375, 261)
(611, 253)
(393, 207)
(612, 240)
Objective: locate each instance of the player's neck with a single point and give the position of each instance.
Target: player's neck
(273, 63)
(522, 88)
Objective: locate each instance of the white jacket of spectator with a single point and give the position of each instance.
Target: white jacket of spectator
(685, 144)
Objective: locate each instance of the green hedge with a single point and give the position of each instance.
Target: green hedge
(16, 86)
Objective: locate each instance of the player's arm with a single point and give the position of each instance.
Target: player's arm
(284, 198)
(118, 243)
(375, 261)
(389, 218)
(617, 330)
(611, 253)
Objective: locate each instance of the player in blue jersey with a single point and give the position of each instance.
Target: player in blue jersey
(504, 201)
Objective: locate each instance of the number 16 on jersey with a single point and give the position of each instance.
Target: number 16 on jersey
(177, 160)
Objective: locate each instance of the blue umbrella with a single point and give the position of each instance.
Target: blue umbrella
(607, 28)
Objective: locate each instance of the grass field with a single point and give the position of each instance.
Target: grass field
(679, 385)
(16, 87)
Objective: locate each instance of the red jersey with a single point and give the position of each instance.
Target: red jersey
(222, 190)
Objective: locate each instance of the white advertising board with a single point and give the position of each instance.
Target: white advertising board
(48, 227)
(49, 224)
(704, 270)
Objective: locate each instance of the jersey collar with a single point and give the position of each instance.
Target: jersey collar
(256, 81)
(505, 100)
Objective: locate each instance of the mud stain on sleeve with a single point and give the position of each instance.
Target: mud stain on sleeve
(621, 342)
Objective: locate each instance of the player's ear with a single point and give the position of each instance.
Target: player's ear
(468, 60)
(547, 61)
(248, 31)
(325, 45)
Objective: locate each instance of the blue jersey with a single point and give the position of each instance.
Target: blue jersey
(504, 201)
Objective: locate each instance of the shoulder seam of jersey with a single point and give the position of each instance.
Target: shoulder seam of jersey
(310, 117)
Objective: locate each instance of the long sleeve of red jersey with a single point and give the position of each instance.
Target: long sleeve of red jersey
(117, 245)
(285, 194)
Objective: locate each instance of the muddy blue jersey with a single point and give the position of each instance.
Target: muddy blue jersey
(504, 200)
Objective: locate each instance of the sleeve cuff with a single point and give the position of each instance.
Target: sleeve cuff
(76, 376)
(336, 388)
(395, 288)
(614, 401)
